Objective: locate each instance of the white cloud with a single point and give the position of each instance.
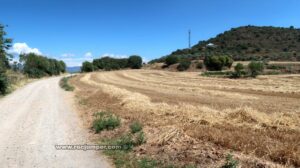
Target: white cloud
(72, 60)
(146, 60)
(68, 55)
(88, 55)
(23, 48)
(114, 55)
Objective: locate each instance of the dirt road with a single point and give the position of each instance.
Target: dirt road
(33, 120)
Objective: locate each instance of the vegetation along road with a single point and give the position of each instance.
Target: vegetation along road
(33, 120)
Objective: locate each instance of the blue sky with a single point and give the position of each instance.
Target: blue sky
(77, 30)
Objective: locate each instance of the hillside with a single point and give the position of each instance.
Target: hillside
(248, 43)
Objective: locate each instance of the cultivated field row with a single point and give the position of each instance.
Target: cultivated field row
(189, 118)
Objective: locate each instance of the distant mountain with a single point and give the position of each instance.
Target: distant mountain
(248, 43)
(73, 69)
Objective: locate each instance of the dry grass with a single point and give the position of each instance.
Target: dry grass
(200, 120)
(17, 80)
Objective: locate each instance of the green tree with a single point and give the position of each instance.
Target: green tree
(108, 63)
(213, 63)
(228, 61)
(135, 62)
(216, 63)
(3, 83)
(238, 70)
(87, 67)
(255, 68)
(172, 60)
(184, 65)
(37, 66)
(5, 44)
(62, 67)
(199, 65)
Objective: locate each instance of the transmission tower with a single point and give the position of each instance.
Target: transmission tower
(189, 39)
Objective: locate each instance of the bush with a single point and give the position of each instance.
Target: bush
(199, 65)
(230, 162)
(147, 163)
(238, 70)
(126, 141)
(136, 127)
(170, 60)
(87, 67)
(216, 63)
(3, 83)
(105, 121)
(107, 63)
(255, 68)
(276, 67)
(135, 62)
(184, 65)
(64, 83)
(139, 139)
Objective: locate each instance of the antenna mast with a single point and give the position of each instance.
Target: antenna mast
(189, 38)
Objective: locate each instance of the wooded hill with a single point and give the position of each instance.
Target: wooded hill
(248, 43)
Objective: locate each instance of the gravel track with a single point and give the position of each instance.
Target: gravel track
(33, 120)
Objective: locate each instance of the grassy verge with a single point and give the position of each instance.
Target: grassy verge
(15, 80)
(128, 140)
(127, 158)
(64, 83)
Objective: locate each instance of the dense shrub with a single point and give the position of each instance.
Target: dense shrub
(108, 63)
(3, 78)
(184, 65)
(238, 70)
(276, 67)
(37, 66)
(199, 65)
(3, 83)
(105, 121)
(216, 63)
(5, 44)
(230, 162)
(148, 163)
(87, 67)
(135, 62)
(64, 83)
(255, 68)
(126, 141)
(171, 60)
(135, 127)
(139, 139)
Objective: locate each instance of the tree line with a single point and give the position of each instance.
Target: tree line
(32, 65)
(108, 63)
(37, 66)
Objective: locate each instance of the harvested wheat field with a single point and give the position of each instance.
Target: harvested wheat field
(190, 119)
